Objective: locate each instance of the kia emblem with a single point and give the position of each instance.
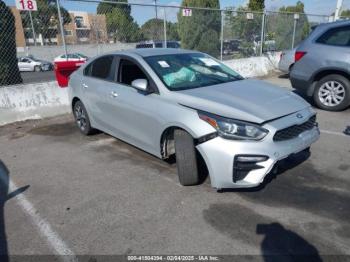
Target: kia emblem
(299, 115)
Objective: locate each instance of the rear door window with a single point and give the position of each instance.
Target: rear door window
(101, 68)
(336, 36)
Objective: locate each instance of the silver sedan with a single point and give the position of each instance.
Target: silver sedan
(32, 64)
(174, 101)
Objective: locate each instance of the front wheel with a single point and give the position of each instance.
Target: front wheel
(37, 68)
(186, 158)
(332, 93)
(82, 119)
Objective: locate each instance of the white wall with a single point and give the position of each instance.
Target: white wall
(49, 53)
(255, 66)
(32, 101)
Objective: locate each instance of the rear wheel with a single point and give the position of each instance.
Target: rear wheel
(82, 119)
(332, 93)
(37, 68)
(186, 158)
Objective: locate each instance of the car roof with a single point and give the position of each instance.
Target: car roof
(336, 23)
(145, 52)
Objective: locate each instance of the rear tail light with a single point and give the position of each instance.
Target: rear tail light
(299, 55)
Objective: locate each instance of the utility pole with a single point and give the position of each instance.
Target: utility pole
(164, 20)
(155, 5)
(60, 19)
(338, 10)
(31, 22)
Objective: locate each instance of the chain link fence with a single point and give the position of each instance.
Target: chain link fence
(110, 26)
(241, 34)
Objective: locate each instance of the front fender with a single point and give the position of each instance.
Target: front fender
(191, 123)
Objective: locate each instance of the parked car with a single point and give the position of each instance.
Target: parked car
(230, 46)
(286, 61)
(31, 64)
(158, 44)
(322, 66)
(71, 57)
(174, 101)
(269, 45)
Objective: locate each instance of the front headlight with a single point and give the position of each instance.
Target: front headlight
(234, 129)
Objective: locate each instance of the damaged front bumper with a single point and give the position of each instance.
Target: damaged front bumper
(236, 164)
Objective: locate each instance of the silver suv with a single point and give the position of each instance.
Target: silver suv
(322, 66)
(173, 101)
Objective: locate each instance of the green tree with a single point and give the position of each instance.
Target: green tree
(120, 24)
(201, 31)
(45, 20)
(256, 5)
(345, 13)
(281, 25)
(248, 31)
(9, 73)
(298, 8)
(172, 32)
(153, 29)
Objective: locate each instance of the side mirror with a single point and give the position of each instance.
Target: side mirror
(140, 84)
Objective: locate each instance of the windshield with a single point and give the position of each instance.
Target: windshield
(34, 59)
(187, 71)
(81, 55)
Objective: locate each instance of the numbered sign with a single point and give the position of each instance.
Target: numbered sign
(186, 12)
(250, 16)
(27, 5)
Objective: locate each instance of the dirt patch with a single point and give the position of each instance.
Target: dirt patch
(62, 129)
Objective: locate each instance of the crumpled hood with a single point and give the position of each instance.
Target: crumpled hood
(248, 100)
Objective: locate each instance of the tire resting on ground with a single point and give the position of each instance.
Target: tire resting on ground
(186, 158)
(88, 129)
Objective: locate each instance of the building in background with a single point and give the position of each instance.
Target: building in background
(85, 28)
(20, 39)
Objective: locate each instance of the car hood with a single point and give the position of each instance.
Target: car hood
(248, 100)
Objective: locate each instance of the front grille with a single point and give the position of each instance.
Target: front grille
(294, 131)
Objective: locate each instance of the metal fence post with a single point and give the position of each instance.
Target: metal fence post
(165, 41)
(262, 37)
(222, 35)
(33, 31)
(61, 28)
(296, 17)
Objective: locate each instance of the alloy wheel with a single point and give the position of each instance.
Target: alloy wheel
(80, 117)
(331, 93)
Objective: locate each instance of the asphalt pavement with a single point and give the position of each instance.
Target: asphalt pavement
(75, 195)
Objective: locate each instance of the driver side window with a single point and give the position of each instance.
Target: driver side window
(129, 71)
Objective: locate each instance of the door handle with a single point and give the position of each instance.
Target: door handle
(85, 86)
(114, 94)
